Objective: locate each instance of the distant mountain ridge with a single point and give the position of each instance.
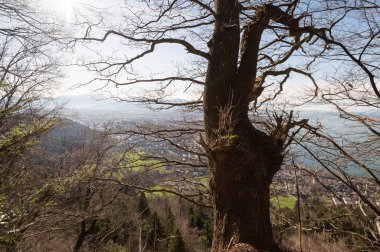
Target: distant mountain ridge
(66, 133)
(102, 109)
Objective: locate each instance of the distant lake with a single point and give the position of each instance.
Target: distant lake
(348, 134)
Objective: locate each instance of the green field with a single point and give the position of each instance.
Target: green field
(157, 187)
(203, 180)
(137, 162)
(283, 202)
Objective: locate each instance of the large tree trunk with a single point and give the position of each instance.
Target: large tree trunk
(240, 178)
(242, 166)
(243, 160)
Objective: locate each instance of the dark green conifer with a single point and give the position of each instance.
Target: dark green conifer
(176, 243)
(143, 206)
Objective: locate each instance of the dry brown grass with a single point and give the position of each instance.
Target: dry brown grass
(314, 243)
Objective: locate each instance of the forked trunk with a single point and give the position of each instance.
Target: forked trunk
(243, 160)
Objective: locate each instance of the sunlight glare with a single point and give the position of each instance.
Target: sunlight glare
(63, 8)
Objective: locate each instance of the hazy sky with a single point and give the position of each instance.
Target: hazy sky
(63, 8)
(159, 62)
(65, 11)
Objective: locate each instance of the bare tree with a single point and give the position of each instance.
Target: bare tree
(244, 52)
(27, 71)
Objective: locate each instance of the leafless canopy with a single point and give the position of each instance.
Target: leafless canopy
(299, 38)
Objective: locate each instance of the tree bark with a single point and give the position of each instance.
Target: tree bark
(242, 159)
(81, 237)
(241, 174)
(83, 234)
